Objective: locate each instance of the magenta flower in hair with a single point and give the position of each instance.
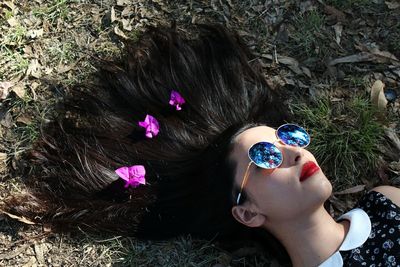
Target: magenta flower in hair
(133, 175)
(151, 125)
(176, 100)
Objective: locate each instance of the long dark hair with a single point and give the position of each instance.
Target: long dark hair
(190, 180)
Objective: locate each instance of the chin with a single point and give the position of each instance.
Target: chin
(323, 188)
(326, 188)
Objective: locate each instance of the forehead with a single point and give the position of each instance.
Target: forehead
(253, 135)
(244, 141)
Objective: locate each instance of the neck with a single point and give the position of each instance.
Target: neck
(303, 238)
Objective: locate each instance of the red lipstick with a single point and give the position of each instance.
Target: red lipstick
(309, 168)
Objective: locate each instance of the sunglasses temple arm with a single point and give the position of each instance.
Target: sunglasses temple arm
(238, 198)
(244, 181)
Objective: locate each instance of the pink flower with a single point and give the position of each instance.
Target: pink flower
(151, 125)
(133, 175)
(176, 100)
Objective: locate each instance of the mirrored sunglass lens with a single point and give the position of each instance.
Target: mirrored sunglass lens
(293, 135)
(265, 155)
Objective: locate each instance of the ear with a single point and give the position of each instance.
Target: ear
(248, 217)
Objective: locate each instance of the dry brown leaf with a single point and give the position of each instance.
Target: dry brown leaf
(395, 71)
(368, 54)
(122, 2)
(34, 33)
(338, 204)
(34, 69)
(47, 228)
(33, 87)
(392, 4)
(291, 63)
(360, 57)
(10, 5)
(14, 253)
(382, 174)
(338, 27)
(395, 167)
(113, 18)
(351, 190)
(120, 33)
(335, 14)
(4, 89)
(12, 22)
(378, 98)
(126, 12)
(31, 262)
(385, 56)
(19, 90)
(391, 134)
(7, 120)
(306, 6)
(28, 50)
(126, 24)
(39, 253)
(306, 71)
(378, 55)
(64, 68)
(18, 218)
(3, 156)
(48, 70)
(25, 119)
(275, 82)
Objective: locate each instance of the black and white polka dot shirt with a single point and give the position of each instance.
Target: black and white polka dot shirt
(382, 247)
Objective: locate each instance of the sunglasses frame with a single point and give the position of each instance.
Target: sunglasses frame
(247, 172)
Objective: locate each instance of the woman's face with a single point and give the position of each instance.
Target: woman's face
(279, 194)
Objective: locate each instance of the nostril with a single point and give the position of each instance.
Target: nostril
(297, 158)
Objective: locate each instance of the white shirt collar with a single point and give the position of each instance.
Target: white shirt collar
(360, 228)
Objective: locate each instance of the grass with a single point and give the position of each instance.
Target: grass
(27, 131)
(13, 63)
(15, 36)
(8, 14)
(307, 37)
(56, 9)
(12, 58)
(346, 137)
(63, 52)
(343, 4)
(182, 251)
(355, 82)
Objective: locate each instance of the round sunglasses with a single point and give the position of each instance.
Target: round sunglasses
(268, 156)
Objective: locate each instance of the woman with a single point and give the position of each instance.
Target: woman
(158, 147)
(288, 202)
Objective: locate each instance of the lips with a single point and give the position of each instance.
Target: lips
(309, 168)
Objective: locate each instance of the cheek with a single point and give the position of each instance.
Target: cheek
(274, 187)
(280, 195)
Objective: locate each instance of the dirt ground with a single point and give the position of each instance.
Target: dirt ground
(307, 49)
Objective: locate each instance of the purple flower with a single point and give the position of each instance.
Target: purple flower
(133, 175)
(176, 100)
(151, 125)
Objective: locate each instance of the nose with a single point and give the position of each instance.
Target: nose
(291, 155)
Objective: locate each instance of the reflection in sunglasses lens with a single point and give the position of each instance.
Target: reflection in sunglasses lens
(293, 135)
(265, 155)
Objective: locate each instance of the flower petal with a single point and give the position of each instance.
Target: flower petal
(123, 173)
(152, 126)
(176, 100)
(133, 175)
(136, 171)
